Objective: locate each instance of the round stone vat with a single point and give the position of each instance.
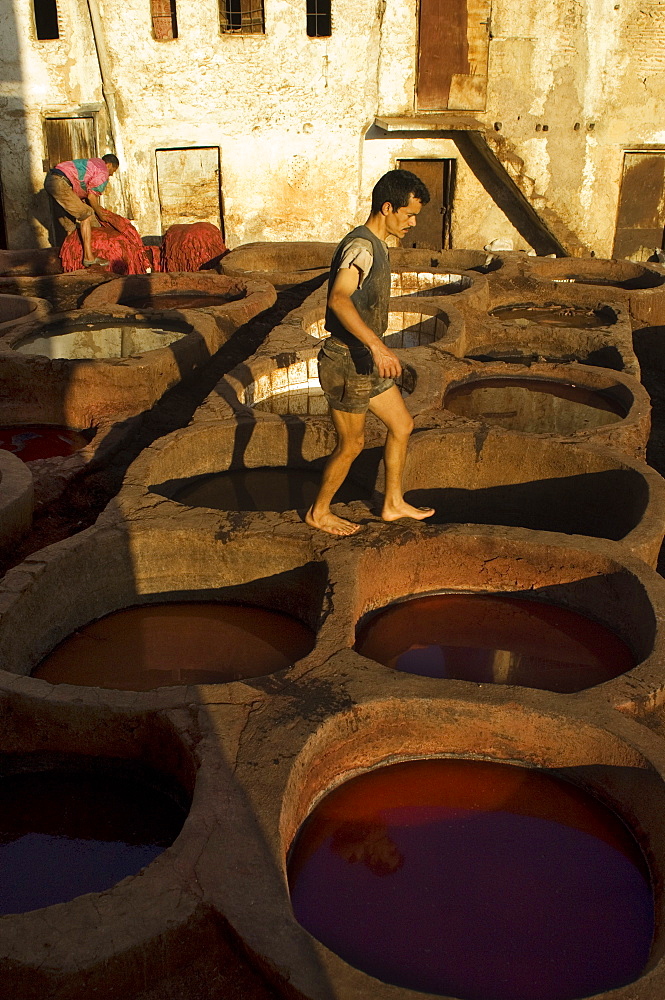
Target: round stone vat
(193, 642)
(63, 292)
(622, 274)
(82, 369)
(536, 865)
(544, 328)
(243, 465)
(468, 291)
(16, 498)
(640, 286)
(167, 291)
(17, 263)
(496, 477)
(93, 806)
(512, 607)
(169, 608)
(408, 325)
(18, 309)
(439, 260)
(282, 264)
(92, 821)
(495, 639)
(590, 404)
(32, 442)
(388, 723)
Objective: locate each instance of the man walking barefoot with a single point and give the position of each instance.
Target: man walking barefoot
(356, 368)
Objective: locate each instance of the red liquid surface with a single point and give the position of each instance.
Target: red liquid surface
(494, 639)
(181, 643)
(476, 880)
(63, 834)
(33, 441)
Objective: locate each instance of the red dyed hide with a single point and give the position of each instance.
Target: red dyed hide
(191, 247)
(117, 241)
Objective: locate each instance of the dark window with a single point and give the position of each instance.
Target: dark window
(242, 16)
(318, 18)
(164, 21)
(46, 19)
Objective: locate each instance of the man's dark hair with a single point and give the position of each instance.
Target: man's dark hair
(397, 186)
(112, 159)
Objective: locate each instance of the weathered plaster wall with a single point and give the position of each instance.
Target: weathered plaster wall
(290, 113)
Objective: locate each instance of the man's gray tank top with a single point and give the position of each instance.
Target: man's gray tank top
(371, 301)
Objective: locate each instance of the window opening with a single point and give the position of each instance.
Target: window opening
(46, 19)
(164, 20)
(319, 22)
(241, 16)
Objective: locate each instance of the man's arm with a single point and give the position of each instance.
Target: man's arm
(93, 201)
(339, 300)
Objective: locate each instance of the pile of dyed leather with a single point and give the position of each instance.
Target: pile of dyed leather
(192, 247)
(116, 241)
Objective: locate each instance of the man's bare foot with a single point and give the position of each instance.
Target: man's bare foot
(331, 523)
(404, 509)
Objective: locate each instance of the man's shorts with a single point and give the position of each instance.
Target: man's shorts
(344, 388)
(63, 195)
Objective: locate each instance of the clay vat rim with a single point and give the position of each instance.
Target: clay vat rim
(41, 569)
(282, 801)
(254, 288)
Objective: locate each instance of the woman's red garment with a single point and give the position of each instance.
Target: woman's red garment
(191, 247)
(116, 241)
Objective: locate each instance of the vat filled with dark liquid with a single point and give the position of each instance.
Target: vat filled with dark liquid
(534, 405)
(33, 441)
(154, 645)
(474, 879)
(555, 315)
(68, 827)
(494, 639)
(277, 489)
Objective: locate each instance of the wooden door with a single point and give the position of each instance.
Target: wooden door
(188, 182)
(453, 49)
(641, 212)
(69, 139)
(432, 231)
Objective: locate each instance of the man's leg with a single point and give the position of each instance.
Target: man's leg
(389, 407)
(350, 429)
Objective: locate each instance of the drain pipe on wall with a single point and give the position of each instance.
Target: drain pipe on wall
(108, 90)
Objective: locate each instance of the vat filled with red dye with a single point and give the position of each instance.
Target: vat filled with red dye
(474, 879)
(185, 642)
(75, 825)
(495, 639)
(34, 441)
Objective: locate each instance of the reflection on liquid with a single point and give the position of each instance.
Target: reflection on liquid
(63, 834)
(476, 880)
(495, 639)
(180, 643)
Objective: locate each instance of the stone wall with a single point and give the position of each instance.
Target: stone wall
(570, 87)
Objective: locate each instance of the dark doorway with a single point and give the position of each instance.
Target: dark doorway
(433, 231)
(641, 212)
